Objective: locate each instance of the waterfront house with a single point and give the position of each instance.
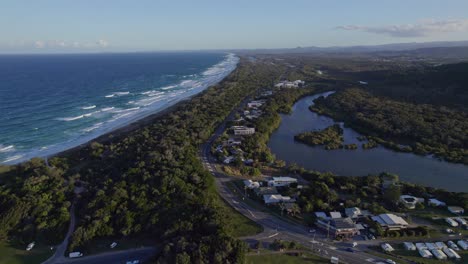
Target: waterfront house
(281, 181)
(243, 130)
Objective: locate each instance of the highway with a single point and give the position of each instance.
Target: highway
(274, 227)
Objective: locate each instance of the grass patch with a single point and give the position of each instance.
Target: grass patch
(240, 225)
(283, 258)
(16, 254)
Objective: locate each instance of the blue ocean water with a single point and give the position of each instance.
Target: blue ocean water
(49, 103)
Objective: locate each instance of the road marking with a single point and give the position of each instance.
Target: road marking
(251, 213)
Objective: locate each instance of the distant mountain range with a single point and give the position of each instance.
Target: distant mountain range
(362, 49)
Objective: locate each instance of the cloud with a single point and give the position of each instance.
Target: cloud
(421, 29)
(62, 44)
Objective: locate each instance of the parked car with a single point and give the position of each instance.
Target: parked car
(389, 261)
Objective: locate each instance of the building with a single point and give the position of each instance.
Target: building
(390, 221)
(409, 246)
(339, 228)
(440, 245)
(451, 253)
(251, 184)
(460, 220)
(410, 201)
(438, 254)
(387, 247)
(243, 130)
(228, 160)
(456, 210)
(255, 104)
(321, 215)
(281, 181)
(451, 222)
(353, 212)
(335, 215)
(435, 202)
(425, 253)
(277, 198)
(288, 84)
(265, 190)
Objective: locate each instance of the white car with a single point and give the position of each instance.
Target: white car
(389, 261)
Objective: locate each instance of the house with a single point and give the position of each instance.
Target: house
(277, 198)
(435, 202)
(462, 244)
(390, 221)
(251, 184)
(430, 246)
(228, 160)
(281, 181)
(335, 215)
(265, 190)
(234, 141)
(451, 222)
(409, 246)
(425, 253)
(255, 104)
(288, 84)
(386, 247)
(321, 215)
(339, 228)
(410, 201)
(456, 210)
(353, 212)
(421, 246)
(243, 130)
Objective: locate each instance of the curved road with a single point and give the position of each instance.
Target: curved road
(275, 227)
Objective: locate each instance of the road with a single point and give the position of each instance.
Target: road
(275, 227)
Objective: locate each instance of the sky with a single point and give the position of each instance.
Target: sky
(151, 25)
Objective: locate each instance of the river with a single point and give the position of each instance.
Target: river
(413, 168)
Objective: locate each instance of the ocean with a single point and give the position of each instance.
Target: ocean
(50, 103)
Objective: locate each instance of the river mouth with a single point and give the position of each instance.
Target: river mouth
(423, 170)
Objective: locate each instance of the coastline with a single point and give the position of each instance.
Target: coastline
(169, 106)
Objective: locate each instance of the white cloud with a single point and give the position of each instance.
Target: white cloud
(421, 29)
(62, 44)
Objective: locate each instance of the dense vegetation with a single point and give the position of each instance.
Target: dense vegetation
(331, 137)
(147, 181)
(34, 203)
(420, 128)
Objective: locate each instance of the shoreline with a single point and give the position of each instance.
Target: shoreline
(132, 125)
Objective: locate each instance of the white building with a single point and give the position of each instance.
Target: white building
(288, 84)
(460, 220)
(255, 104)
(438, 254)
(410, 201)
(462, 244)
(409, 246)
(390, 221)
(440, 245)
(353, 212)
(277, 198)
(435, 202)
(243, 130)
(251, 184)
(281, 181)
(387, 248)
(451, 222)
(421, 246)
(451, 253)
(335, 215)
(228, 160)
(425, 253)
(456, 210)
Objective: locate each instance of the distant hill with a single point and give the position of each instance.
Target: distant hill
(361, 49)
(441, 85)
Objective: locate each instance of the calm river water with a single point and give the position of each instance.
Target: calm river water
(426, 171)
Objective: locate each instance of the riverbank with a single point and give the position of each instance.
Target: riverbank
(413, 168)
